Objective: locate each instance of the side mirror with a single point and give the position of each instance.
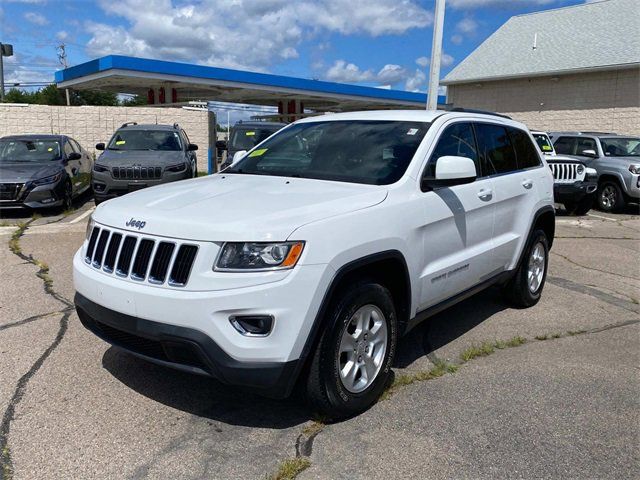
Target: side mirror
(74, 156)
(221, 145)
(239, 155)
(192, 147)
(589, 153)
(450, 171)
(100, 146)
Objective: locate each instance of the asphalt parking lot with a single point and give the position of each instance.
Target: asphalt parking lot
(482, 390)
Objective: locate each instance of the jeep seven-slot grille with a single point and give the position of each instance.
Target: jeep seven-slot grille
(137, 173)
(566, 172)
(133, 256)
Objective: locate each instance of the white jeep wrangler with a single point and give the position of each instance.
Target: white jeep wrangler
(305, 261)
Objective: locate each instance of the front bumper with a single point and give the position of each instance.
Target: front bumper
(105, 186)
(44, 196)
(202, 319)
(632, 182)
(573, 192)
(184, 349)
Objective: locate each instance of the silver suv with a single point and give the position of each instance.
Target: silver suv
(615, 157)
(140, 156)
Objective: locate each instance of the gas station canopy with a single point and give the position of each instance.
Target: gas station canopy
(174, 83)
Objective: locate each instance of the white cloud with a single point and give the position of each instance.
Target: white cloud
(470, 4)
(416, 82)
(423, 61)
(446, 60)
(36, 18)
(457, 39)
(246, 34)
(390, 74)
(467, 26)
(62, 35)
(342, 71)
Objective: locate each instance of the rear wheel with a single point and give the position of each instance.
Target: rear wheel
(352, 362)
(525, 288)
(610, 197)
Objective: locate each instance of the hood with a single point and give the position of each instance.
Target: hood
(155, 158)
(563, 159)
(236, 207)
(23, 172)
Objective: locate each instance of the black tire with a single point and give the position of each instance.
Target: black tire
(97, 201)
(67, 197)
(194, 170)
(584, 205)
(517, 291)
(610, 197)
(325, 390)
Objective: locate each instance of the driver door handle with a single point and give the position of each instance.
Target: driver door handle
(527, 184)
(485, 194)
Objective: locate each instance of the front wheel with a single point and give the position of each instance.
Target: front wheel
(352, 362)
(525, 288)
(579, 208)
(610, 197)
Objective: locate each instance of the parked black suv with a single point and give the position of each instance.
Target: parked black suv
(246, 135)
(140, 156)
(42, 171)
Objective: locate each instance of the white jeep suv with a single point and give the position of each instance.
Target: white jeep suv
(306, 260)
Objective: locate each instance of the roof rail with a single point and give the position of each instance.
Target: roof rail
(598, 133)
(484, 112)
(124, 125)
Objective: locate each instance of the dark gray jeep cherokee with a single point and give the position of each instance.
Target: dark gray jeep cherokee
(139, 156)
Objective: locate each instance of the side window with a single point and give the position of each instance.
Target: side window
(526, 154)
(75, 145)
(586, 144)
(565, 145)
(496, 151)
(68, 150)
(185, 139)
(456, 140)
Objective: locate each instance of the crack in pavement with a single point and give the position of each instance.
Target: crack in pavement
(6, 464)
(33, 319)
(594, 292)
(595, 269)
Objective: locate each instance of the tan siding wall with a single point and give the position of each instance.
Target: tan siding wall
(90, 125)
(599, 101)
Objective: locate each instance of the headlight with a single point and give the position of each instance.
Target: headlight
(178, 167)
(48, 180)
(90, 225)
(634, 168)
(100, 168)
(580, 169)
(240, 256)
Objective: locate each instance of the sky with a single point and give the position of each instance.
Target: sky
(384, 43)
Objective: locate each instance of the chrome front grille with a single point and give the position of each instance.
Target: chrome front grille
(137, 173)
(140, 258)
(565, 172)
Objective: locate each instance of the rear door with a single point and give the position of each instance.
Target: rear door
(458, 223)
(517, 171)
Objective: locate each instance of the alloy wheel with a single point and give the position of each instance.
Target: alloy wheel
(535, 272)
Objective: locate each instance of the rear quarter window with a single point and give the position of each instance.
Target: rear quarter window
(526, 153)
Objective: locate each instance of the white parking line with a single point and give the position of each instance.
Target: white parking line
(84, 215)
(603, 217)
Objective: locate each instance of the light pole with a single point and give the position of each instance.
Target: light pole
(6, 50)
(436, 56)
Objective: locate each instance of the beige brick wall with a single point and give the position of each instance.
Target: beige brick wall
(600, 101)
(90, 125)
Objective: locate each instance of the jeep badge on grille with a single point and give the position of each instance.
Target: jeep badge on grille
(139, 224)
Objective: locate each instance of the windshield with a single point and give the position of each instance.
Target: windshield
(29, 150)
(246, 139)
(357, 151)
(543, 142)
(621, 147)
(145, 140)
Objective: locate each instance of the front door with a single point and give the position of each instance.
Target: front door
(458, 230)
